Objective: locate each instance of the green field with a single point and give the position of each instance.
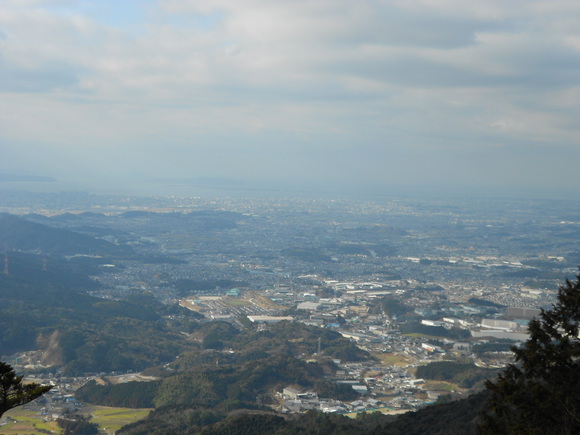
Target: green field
(112, 419)
(441, 386)
(27, 422)
(235, 302)
(108, 419)
(392, 359)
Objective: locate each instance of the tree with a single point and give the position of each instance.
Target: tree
(77, 425)
(540, 393)
(13, 392)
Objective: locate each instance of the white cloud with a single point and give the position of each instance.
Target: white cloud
(365, 78)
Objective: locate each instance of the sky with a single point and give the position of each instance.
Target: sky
(481, 96)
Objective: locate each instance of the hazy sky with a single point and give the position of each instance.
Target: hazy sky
(442, 93)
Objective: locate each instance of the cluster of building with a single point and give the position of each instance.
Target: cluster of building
(444, 331)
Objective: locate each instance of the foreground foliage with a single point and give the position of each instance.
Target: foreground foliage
(13, 392)
(540, 393)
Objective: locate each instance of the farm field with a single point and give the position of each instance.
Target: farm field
(108, 419)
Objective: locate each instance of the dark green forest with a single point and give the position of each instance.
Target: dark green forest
(466, 375)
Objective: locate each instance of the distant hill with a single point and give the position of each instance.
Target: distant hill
(75, 216)
(20, 234)
(25, 178)
(52, 271)
(200, 220)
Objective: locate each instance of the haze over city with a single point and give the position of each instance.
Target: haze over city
(481, 96)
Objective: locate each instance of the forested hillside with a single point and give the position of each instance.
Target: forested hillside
(20, 234)
(51, 311)
(240, 369)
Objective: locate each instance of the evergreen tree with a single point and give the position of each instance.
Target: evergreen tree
(77, 425)
(13, 392)
(540, 393)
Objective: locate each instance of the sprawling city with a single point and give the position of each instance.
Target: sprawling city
(410, 282)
